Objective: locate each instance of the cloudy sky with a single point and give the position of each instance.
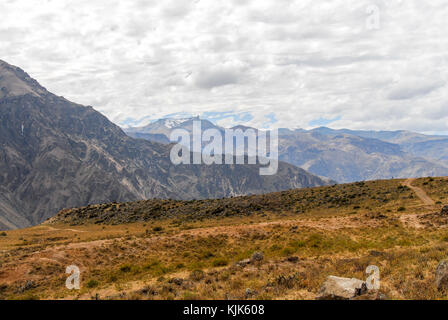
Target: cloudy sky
(268, 63)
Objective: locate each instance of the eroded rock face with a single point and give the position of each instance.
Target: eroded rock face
(442, 275)
(337, 288)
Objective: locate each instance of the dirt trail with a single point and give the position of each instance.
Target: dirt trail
(56, 229)
(419, 192)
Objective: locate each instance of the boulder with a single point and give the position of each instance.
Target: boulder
(442, 275)
(243, 263)
(250, 293)
(292, 259)
(444, 211)
(27, 286)
(257, 256)
(336, 288)
(147, 291)
(177, 281)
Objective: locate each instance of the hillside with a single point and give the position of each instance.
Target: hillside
(161, 249)
(57, 154)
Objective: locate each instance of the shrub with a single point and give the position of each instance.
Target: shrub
(125, 268)
(113, 278)
(297, 244)
(92, 284)
(315, 240)
(190, 296)
(197, 275)
(207, 254)
(287, 251)
(220, 262)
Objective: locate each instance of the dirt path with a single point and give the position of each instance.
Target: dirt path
(55, 229)
(419, 192)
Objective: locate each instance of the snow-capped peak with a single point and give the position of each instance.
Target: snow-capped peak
(173, 123)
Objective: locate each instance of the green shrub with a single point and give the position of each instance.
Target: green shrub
(297, 244)
(287, 251)
(220, 262)
(113, 278)
(125, 268)
(92, 284)
(190, 296)
(207, 255)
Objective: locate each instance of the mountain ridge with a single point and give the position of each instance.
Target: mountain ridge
(349, 155)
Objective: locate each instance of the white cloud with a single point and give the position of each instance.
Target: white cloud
(299, 60)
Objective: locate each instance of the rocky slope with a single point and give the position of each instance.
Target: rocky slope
(56, 154)
(431, 147)
(348, 158)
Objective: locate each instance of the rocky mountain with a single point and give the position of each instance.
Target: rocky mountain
(56, 154)
(431, 147)
(348, 158)
(159, 138)
(347, 155)
(163, 127)
(436, 149)
(400, 137)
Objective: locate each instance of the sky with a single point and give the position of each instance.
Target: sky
(377, 65)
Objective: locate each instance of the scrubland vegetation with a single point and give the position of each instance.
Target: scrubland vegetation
(163, 249)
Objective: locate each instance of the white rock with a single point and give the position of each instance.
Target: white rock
(336, 288)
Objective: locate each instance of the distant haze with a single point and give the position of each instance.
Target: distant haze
(372, 64)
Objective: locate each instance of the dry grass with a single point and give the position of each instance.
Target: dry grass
(305, 236)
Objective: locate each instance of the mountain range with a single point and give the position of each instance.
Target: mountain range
(340, 155)
(57, 154)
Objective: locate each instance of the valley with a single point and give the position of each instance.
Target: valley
(222, 159)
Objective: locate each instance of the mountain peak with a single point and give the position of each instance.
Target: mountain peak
(16, 82)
